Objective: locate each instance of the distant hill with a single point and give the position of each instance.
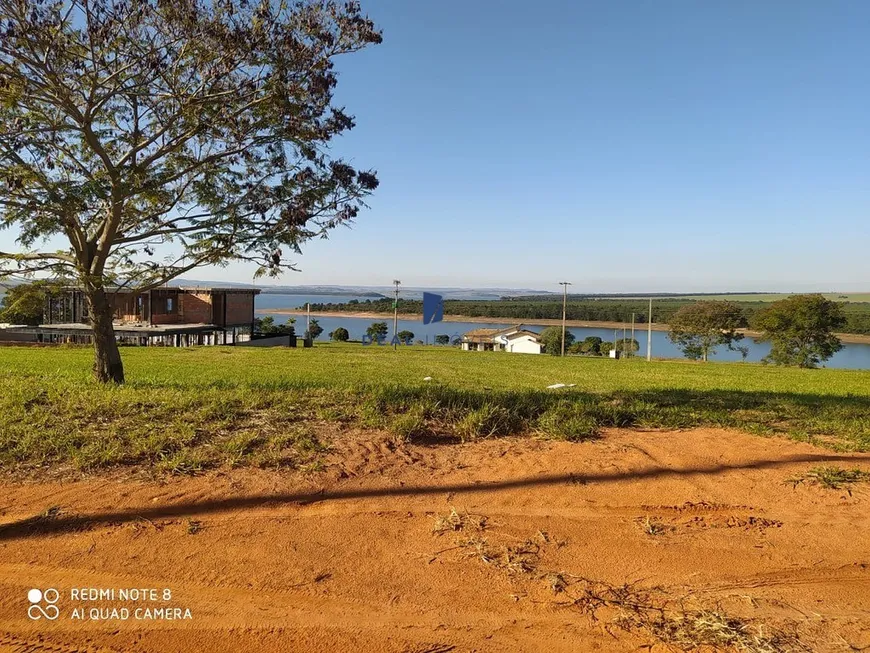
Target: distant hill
(407, 292)
(370, 291)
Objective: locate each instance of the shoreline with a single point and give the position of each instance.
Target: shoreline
(849, 338)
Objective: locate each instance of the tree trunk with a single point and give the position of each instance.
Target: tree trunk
(107, 359)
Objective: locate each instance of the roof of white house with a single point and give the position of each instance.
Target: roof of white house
(521, 333)
(488, 335)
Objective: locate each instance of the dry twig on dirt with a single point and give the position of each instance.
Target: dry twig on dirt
(512, 558)
(455, 521)
(653, 526)
(650, 610)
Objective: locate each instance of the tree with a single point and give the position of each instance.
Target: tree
(266, 326)
(25, 303)
(405, 336)
(377, 330)
(698, 328)
(339, 335)
(551, 339)
(442, 339)
(591, 345)
(314, 330)
(800, 330)
(626, 346)
(154, 137)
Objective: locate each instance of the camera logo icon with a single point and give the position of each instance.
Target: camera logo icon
(42, 604)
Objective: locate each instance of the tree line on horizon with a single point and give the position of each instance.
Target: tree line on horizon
(856, 314)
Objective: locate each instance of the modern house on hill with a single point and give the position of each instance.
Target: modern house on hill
(512, 339)
(174, 316)
(222, 307)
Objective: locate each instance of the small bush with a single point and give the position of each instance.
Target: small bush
(571, 422)
(99, 452)
(833, 478)
(372, 413)
(409, 425)
(616, 413)
(182, 462)
(238, 448)
(487, 421)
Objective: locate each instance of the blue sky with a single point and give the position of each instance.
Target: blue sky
(624, 146)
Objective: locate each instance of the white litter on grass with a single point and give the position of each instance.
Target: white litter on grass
(427, 378)
(556, 386)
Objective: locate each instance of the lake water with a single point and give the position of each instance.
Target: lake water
(266, 301)
(852, 356)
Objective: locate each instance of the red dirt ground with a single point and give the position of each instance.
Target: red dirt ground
(346, 560)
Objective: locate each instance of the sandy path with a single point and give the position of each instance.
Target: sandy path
(346, 560)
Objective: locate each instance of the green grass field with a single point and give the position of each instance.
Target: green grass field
(184, 410)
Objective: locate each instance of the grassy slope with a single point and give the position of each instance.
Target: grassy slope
(350, 365)
(185, 409)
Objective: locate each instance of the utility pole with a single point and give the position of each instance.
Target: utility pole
(308, 320)
(649, 334)
(624, 336)
(631, 346)
(396, 282)
(564, 285)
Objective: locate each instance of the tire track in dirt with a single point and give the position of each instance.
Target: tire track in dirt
(854, 573)
(12, 644)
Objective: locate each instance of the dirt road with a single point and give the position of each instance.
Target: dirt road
(504, 545)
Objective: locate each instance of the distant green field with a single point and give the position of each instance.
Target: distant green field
(857, 297)
(183, 410)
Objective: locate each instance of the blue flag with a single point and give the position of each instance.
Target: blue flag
(433, 308)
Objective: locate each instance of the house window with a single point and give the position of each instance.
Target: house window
(170, 304)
